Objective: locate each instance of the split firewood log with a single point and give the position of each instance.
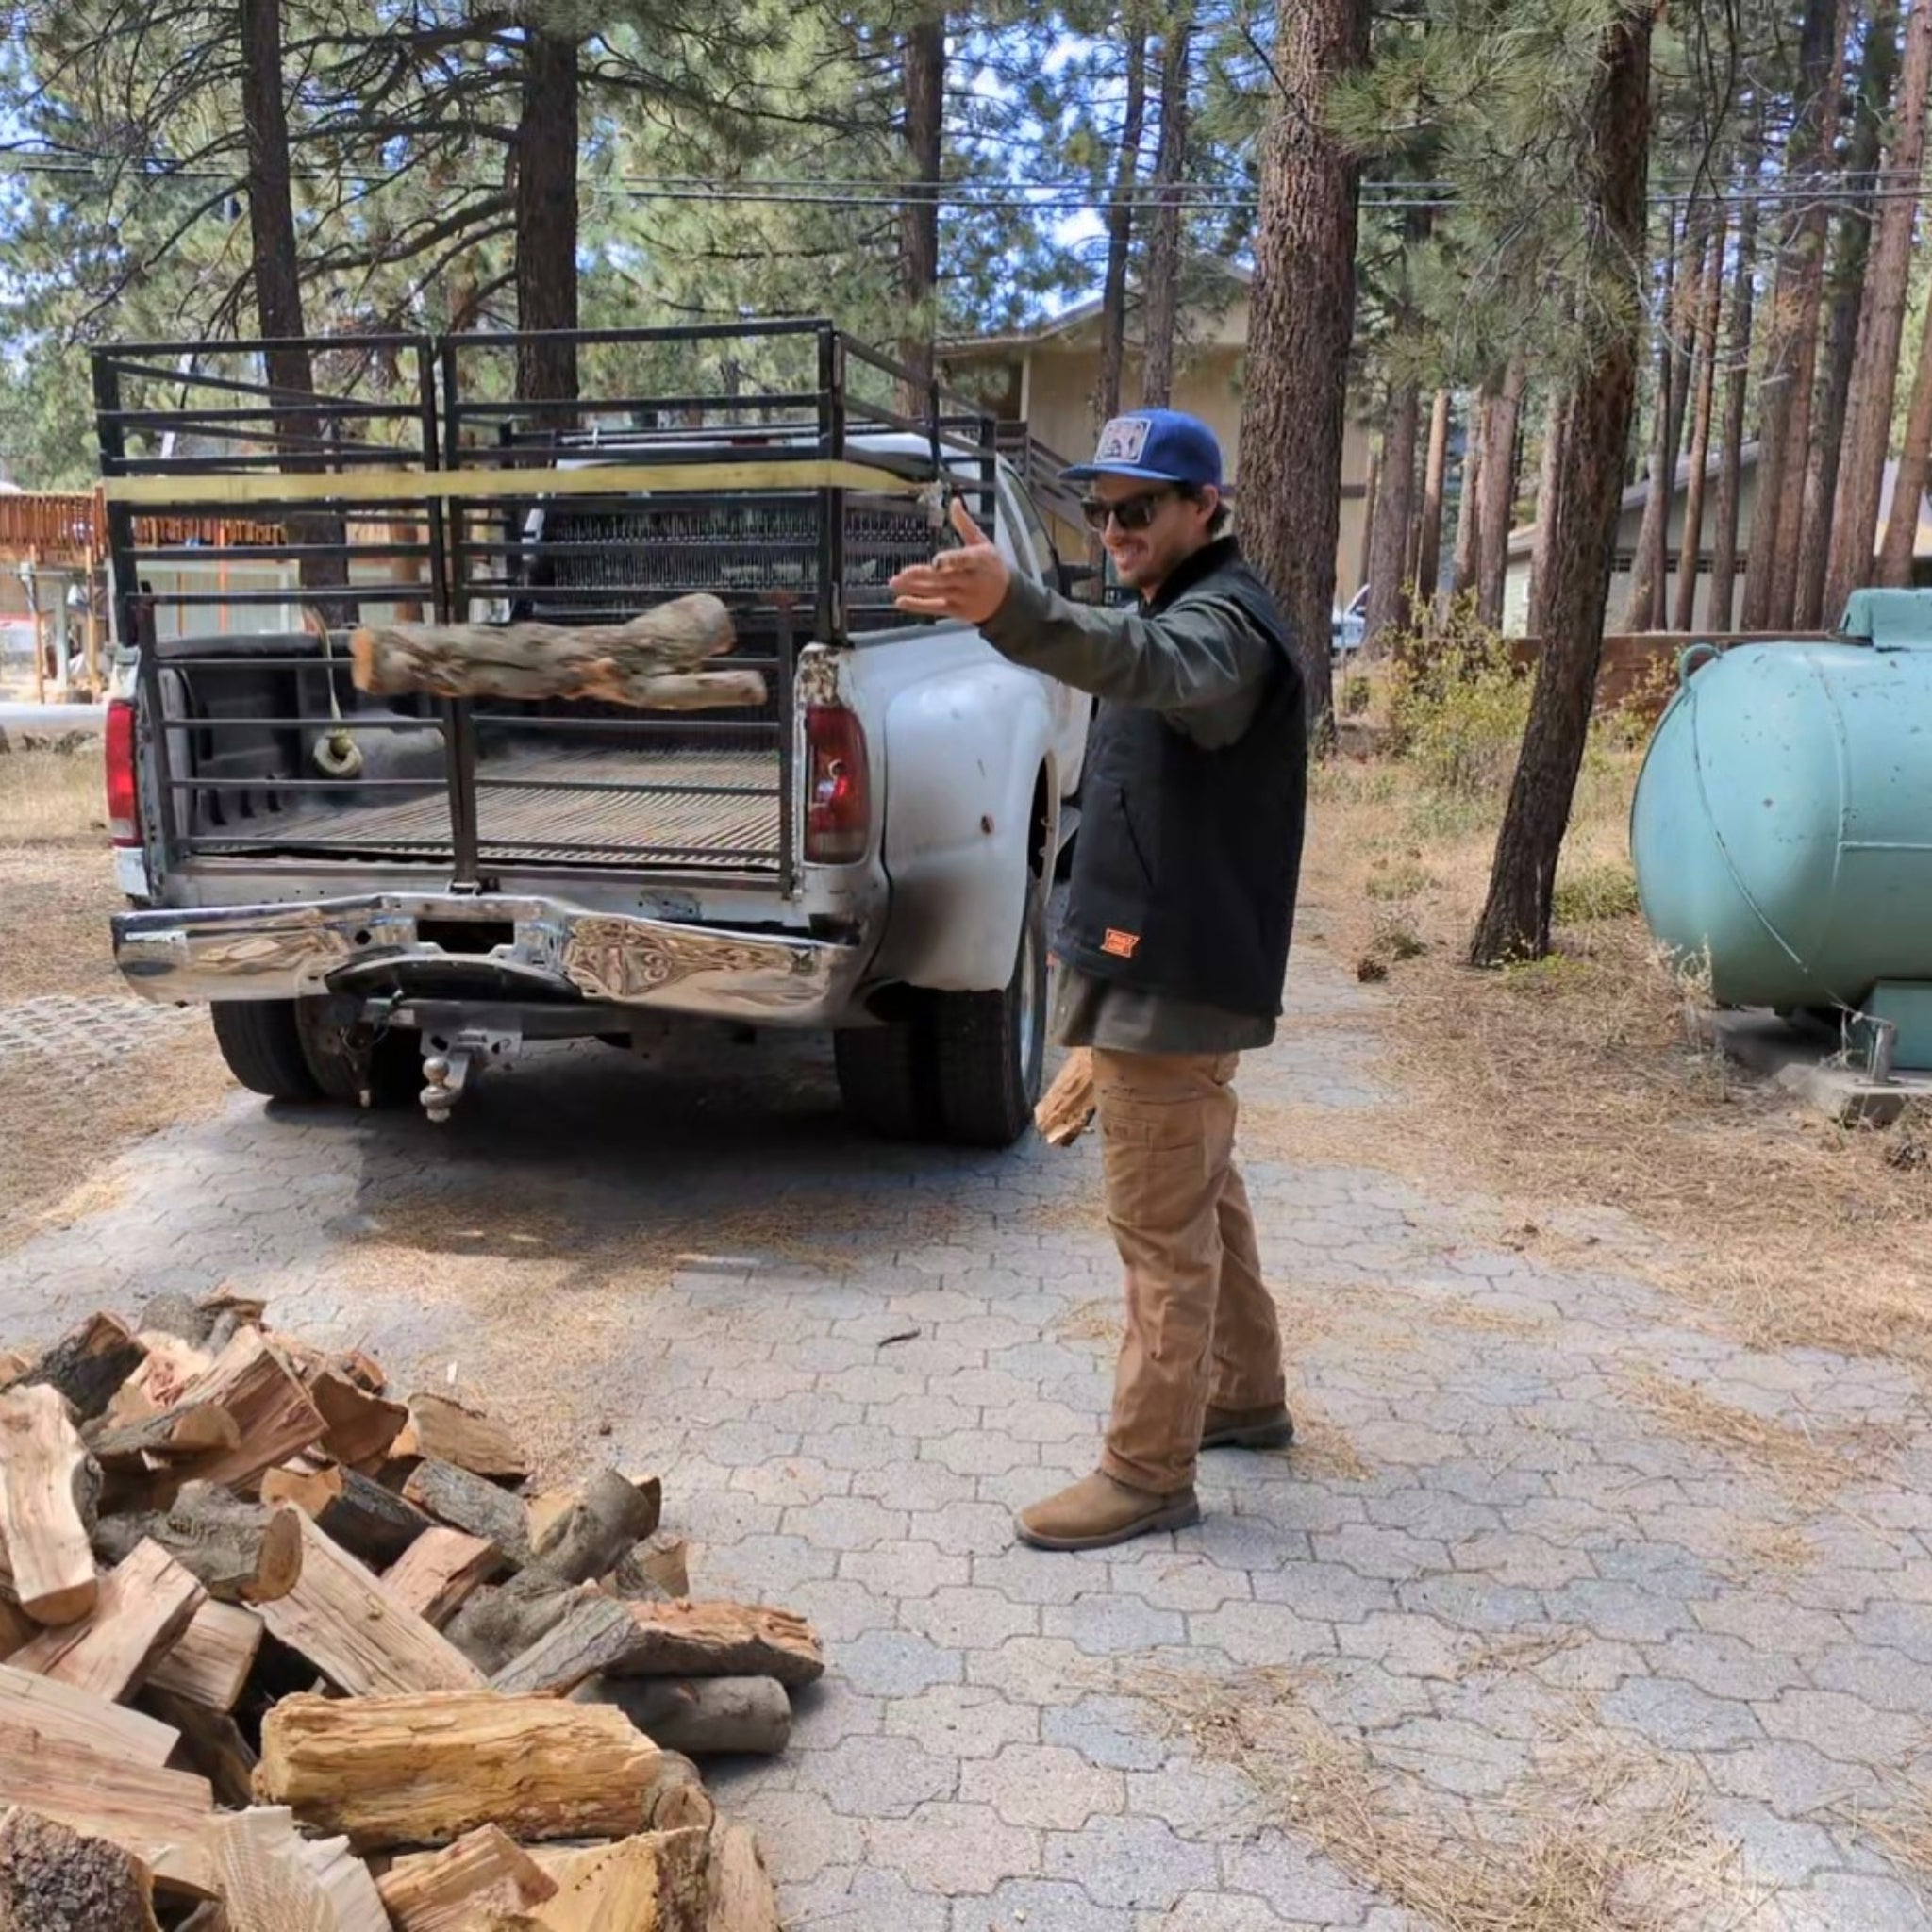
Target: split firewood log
(1067, 1105)
(647, 662)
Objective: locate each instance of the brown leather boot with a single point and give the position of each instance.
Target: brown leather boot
(1098, 1512)
(1248, 1428)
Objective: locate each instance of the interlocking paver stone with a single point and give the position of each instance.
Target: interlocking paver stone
(1522, 1546)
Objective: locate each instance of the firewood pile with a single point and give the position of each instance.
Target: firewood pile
(285, 1652)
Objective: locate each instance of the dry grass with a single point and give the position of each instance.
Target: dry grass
(1602, 1839)
(1324, 1450)
(1808, 1466)
(52, 795)
(1575, 1082)
(1096, 1320)
(1902, 1830)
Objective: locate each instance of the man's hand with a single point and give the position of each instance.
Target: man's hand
(969, 583)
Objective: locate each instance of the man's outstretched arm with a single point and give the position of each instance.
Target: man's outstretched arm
(1203, 666)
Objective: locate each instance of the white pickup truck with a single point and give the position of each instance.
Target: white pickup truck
(378, 896)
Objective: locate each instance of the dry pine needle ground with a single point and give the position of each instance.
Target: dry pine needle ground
(1574, 1080)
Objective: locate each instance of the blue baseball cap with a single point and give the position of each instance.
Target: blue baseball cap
(1158, 445)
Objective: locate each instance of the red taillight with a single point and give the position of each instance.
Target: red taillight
(123, 812)
(838, 797)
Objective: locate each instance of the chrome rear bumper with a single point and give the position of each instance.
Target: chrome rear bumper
(347, 945)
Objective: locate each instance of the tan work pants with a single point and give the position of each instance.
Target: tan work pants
(1201, 1324)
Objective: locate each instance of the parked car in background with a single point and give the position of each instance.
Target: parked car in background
(1348, 624)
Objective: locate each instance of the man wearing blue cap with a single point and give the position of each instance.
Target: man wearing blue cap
(1174, 941)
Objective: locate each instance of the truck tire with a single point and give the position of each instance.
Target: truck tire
(879, 1070)
(263, 1045)
(987, 1049)
(342, 1061)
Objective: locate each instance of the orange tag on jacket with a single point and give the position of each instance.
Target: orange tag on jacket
(1120, 944)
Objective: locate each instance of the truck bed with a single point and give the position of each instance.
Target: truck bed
(708, 810)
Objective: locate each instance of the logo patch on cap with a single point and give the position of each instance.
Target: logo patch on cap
(1123, 439)
(1121, 944)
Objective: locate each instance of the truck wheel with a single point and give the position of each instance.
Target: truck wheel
(342, 1060)
(989, 1048)
(878, 1078)
(263, 1045)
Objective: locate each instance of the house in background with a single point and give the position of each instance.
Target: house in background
(1516, 583)
(1048, 375)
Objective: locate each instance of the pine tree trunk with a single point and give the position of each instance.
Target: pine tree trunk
(1462, 562)
(1778, 417)
(1724, 548)
(1302, 318)
(1549, 496)
(1878, 73)
(1119, 242)
(1816, 235)
(1428, 544)
(1710, 286)
(1498, 492)
(1161, 311)
(1908, 488)
(546, 218)
(1388, 608)
(924, 81)
(1642, 604)
(1516, 919)
(1875, 373)
(300, 433)
(1120, 230)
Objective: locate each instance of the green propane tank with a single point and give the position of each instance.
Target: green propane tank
(1782, 823)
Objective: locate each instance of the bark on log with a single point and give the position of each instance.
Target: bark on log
(89, 1365)
(343, 1620)
(52, 1878)
(422, 1771)
(240, 1552)
(612, 1514)
(502, 1622)
(467, 1502)
(596, 1633)
(208, 1664)
(47, 1489)
(703, 1717)
(616, 662)
(274, 1880)
(687, 1639)
(485, 1871)
(441, 1570)
(144, 1604)
(367, 1520)
(655, 1569)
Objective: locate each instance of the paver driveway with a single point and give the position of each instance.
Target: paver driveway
(850, 1363)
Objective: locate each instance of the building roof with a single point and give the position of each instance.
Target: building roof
(1068, 319)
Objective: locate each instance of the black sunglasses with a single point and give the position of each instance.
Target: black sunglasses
(1131, 513)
